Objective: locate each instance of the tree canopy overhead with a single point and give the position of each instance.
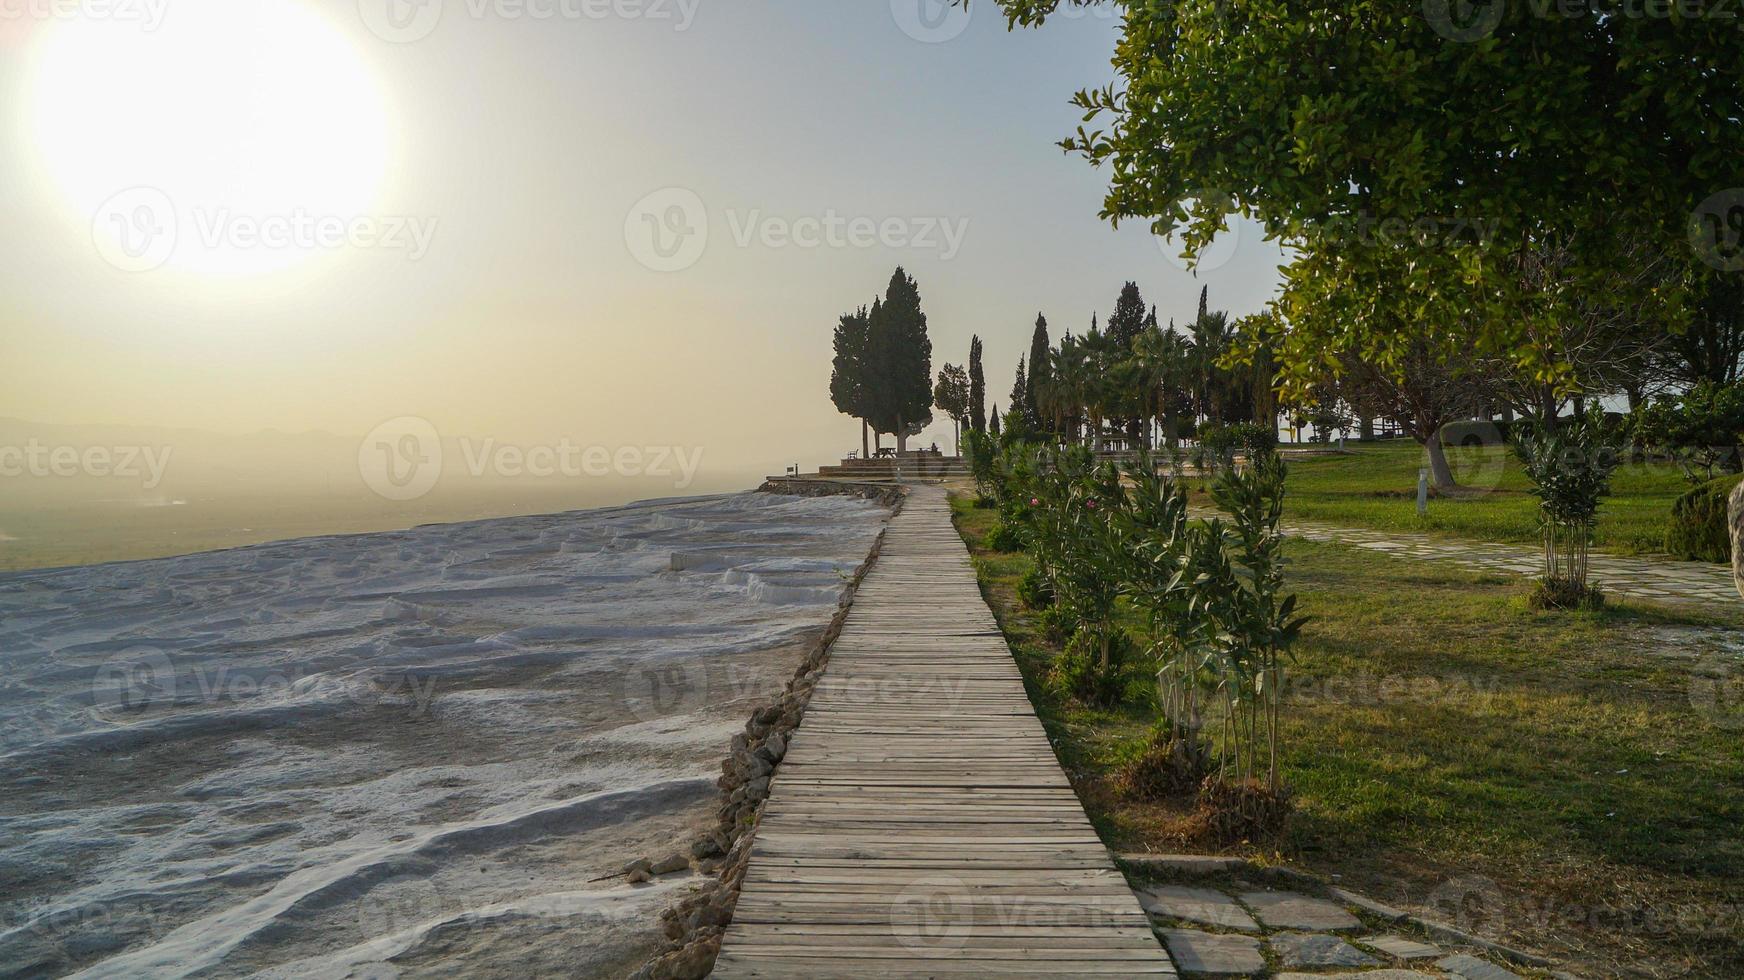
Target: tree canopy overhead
(1419, 154)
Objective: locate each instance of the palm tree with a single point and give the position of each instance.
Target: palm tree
(1162, 359)
(1212, 338)
(1070, 369)
(1104, 394)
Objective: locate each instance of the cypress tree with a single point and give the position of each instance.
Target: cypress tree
(848, 372)
(977, 387)
(904, 355)
(1020, 391)
(994, 428)
(1039, 374)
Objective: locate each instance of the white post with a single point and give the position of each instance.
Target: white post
(1422, 493)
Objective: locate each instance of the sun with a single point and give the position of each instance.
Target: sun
(233, 115)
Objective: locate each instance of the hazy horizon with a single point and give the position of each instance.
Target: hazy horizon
(543, 224)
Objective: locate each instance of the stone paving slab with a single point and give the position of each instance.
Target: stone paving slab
(1472, 968)
(1293, 910)
(1203, 905)
(1317, 949)
(1213, 953)
(1401, 947)
(1301, 931)
(1365, 975)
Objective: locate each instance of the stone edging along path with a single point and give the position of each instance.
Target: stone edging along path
(693, 927)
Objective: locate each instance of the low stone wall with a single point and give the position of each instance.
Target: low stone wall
(695, 925)
(888, 494)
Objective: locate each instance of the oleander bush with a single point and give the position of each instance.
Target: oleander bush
(1698, 528)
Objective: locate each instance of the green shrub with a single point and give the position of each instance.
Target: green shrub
(1559, 593)
(1570, 469)
(1701, 428)
(1034, 590)
(1005, 538)
(1164, 765)
(1698, 530)
(1056, 623)
(1094, 666)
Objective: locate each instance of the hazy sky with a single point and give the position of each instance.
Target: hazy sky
(458, 221)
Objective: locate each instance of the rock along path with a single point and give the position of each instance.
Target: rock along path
(920, 825)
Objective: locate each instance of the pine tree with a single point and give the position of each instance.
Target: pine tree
(1038, 374)
(848, 388)
(1129, 317)
(977, 387)
(952, 395)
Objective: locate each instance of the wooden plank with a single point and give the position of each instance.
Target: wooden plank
(920, 825)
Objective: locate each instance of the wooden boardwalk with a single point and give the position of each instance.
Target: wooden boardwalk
(920, 825)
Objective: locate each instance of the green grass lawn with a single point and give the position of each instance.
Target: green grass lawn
(1438, 730)
(1376, 487)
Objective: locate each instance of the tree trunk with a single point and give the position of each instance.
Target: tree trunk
(1439, 472)
(1366, 428)
(1736, 521)
(865, 443)
(957, 437)
(901, 437)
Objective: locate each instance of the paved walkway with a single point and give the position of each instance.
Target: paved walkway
(1658, 579)
(920, 825)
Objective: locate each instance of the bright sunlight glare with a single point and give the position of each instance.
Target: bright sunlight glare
(216, 142)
